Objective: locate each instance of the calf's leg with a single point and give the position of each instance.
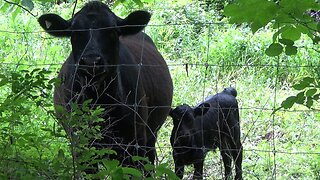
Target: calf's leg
(227, 159)
(236, 146)
(237, 157)
(198, 170)
(179, 170)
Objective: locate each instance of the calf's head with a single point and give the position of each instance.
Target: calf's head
(184, 125)
(231, 91)
(94, 33)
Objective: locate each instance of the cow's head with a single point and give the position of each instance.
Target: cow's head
(184, 127)
(94, 33)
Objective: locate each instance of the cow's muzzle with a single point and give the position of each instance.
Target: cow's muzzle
(91, 60)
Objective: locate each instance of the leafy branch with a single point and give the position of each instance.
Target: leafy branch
(22, 7)
(309, 93)
(290, 18)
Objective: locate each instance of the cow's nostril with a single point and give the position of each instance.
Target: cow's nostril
(91, 59)
(98, 58)
(83, 58)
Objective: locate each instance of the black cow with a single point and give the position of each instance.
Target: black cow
(117, 66)
(211, 124)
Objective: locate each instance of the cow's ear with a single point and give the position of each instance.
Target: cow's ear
(134, 22)
(55, 25)
(201, 109)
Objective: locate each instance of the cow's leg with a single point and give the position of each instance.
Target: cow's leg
(151, 153)
(140, 147)
(151, 150)
(198, 170)
(156, 118)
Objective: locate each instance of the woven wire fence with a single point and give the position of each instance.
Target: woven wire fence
(271, 142)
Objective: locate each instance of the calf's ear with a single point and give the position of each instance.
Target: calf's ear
(55, 25)
(134, 22)
(170, 112)
(201, 109)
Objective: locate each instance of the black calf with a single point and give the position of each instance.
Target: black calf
(211, 124)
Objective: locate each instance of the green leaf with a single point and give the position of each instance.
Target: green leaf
(291, 50)
(231, 10)
(4, 81)
(311, 92)
(163, 169)
(15, 13)
(305, 82)
(299, 86)
(288, 103)
(4, 7)
(117, 174)
(97, 112)
(300, 98)
(291, 33)
(149, 167)
(308, 80)
(60, 109)
(138, 2)
(275, 49)
(255, 26)
(287, 42)
(61, 154)
(131, 171)
(303, 29)
(246, 11)
(117, 2)
(28, 3)
(105, 151)
(282, 18)
(309, 102)
(277, 34)
(294, 6)
(138, 158)
(110, 164)
(86, 105)
(241, 11)
(46, 129)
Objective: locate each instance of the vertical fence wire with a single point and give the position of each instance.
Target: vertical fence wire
(274, 150)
